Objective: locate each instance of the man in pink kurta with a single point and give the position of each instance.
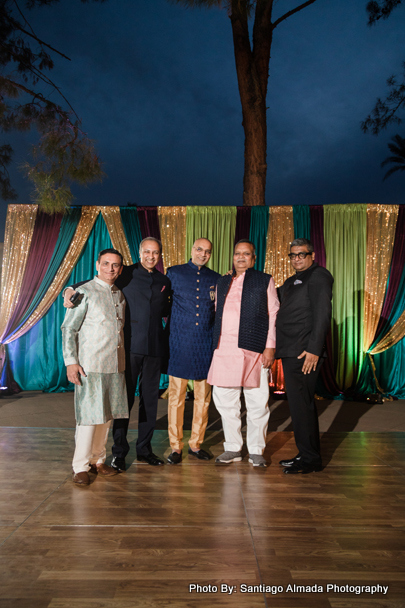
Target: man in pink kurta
(244, 342)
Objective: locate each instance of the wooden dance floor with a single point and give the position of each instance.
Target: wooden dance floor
(200, 534)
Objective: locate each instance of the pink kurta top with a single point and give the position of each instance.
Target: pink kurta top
(233, 366)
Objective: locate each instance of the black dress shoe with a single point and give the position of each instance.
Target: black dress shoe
(118, 463)
(300, 467)
(174, 458)
(152, 459)
(200, 454)
(290, 462)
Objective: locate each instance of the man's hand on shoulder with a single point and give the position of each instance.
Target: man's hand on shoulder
(74, 372)
(310, 362)
(268, 357)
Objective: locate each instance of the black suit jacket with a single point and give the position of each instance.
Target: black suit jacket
(304, 317)
(148, 301)
(148, 297)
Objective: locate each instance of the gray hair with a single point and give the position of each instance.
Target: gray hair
(151, 238)
(303, 243)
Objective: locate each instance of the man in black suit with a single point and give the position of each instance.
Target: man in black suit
(147, 292)
(302, 324)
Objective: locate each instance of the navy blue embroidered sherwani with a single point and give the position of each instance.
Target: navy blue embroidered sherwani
(192, 320)
(190, 348)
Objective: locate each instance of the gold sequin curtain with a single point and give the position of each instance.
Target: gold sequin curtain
(172, 224)
(84, 227)
(381, 224)
(112, 218)
(396, 333)
(20, 222)
(280, 233)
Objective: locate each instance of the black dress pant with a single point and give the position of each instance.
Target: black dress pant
(147, 369)
(300, 389)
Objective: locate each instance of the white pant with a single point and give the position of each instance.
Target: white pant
(90, 446)
(227, 402)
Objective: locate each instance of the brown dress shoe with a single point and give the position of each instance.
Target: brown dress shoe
(105, 470)
(81, 479)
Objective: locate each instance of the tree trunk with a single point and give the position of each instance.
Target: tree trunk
(252, 71)
(255, 170)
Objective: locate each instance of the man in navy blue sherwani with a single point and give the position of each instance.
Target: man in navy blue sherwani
(191, 325)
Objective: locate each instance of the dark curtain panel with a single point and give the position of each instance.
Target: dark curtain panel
(302, 222)
(316, 214)
(242, 230)
(149, 223)
(44, 238)
(130, 221)
(327, 376)
(259, 223)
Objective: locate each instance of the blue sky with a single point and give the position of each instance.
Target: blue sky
(155, 86)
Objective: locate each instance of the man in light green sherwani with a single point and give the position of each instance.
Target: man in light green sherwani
(93, 351)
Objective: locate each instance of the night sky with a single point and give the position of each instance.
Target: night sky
(155, 86)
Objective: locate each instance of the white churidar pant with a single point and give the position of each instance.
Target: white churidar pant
(90, 446)
(227, 402)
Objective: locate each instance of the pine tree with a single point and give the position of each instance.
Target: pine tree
(64, 153)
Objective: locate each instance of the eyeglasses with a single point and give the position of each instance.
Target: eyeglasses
(301, 255)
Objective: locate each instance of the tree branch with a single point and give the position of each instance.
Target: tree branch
(292, 12)
(17, 26)
(380, 9)
(41, 76)
(36, 96)
(42, 43)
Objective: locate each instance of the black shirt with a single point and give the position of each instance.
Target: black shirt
(304, 317)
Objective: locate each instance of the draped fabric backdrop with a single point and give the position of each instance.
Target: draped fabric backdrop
(149, 224)
(259, 221)
(302, 222)
(216, 224)
(345, 232)
(172, 223)
(363, 246)
(243, 219)
(280, 233)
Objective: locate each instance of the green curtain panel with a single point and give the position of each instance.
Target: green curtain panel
(345, 232)
(132, 229)
(259, 223)
(217, 224)
(302, 222)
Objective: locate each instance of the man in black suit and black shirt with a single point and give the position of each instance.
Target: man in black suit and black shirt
(147, 292)
(302, 324)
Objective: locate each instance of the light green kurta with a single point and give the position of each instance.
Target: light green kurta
(92, 336)
(100, 398)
